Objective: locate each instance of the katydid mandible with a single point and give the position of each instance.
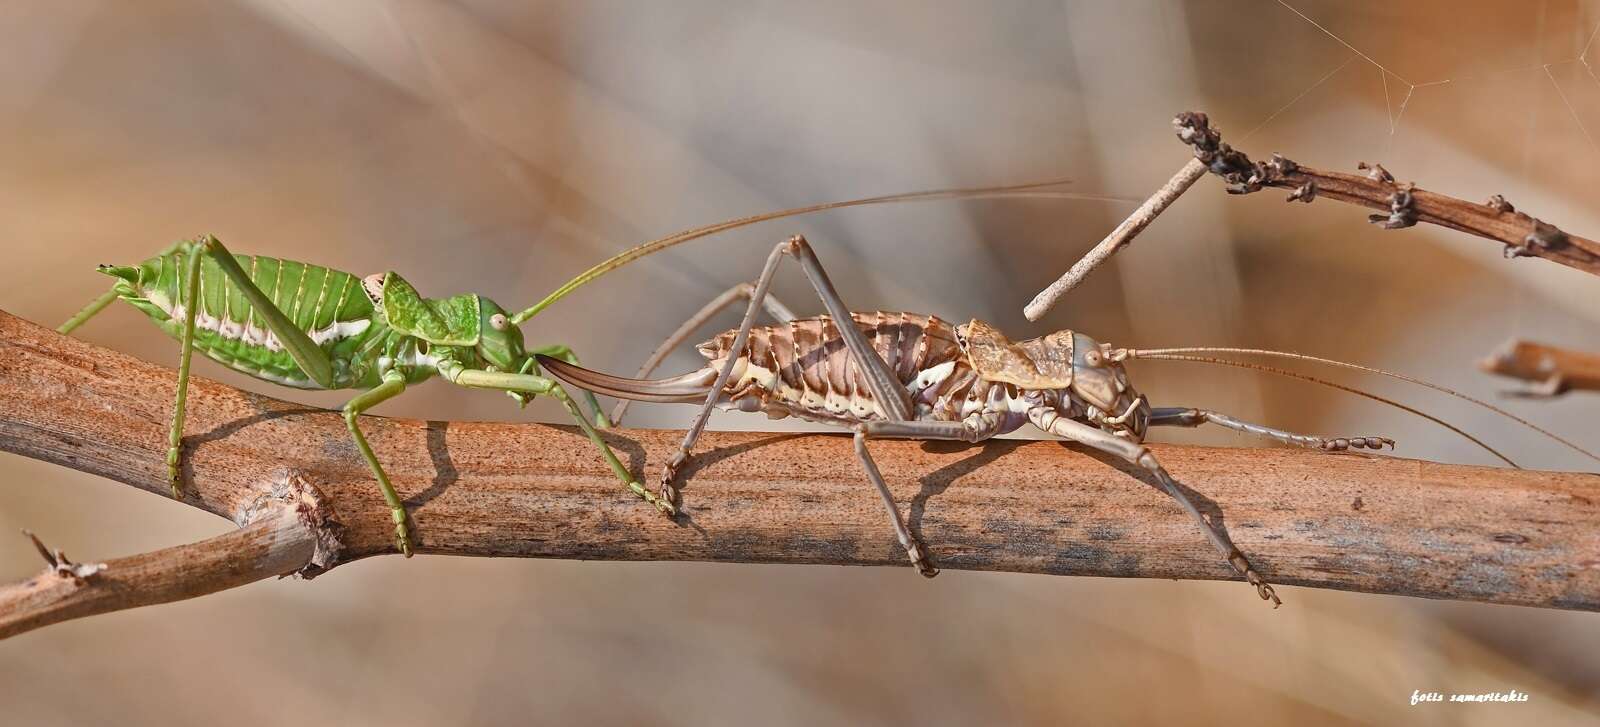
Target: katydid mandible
(306, 326)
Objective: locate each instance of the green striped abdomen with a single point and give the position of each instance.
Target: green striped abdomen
(328, 305)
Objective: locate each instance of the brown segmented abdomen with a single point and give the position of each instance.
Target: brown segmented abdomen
(803, 367)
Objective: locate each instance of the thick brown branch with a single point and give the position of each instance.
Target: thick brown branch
(1554, 370)
(1365, 523)
(1401, 204)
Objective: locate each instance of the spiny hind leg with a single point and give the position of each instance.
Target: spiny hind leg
(532, 384)
(887, 391)
(393, 384)
(564, 352)
(1180, 417)
(1138, 455)
(742, 291)
(306, 354)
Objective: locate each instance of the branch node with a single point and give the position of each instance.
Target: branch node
(1235, 168)
(291, 492)
(1375, 172)
(61, 566)
(1544, 236)
(1402, 205)
(1376, 189)
(1303, 193)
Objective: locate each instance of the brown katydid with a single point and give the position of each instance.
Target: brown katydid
(913, 376)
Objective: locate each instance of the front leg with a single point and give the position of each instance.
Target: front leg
(1136, 454)
(1180, 417)
(459, 375)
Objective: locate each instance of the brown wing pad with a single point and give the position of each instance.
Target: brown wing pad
(997, 359)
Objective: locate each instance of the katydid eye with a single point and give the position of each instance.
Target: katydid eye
(1092, 358)
(499, 322)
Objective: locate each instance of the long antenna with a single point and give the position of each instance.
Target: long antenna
(1324, 382)
(1169, 353)
(1030, 189)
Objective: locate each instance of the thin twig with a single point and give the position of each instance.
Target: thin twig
(1553, 370)
(1119, 238)
(1354, 522)
(1402, 205)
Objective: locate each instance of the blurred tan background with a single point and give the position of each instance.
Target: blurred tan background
(500, 147)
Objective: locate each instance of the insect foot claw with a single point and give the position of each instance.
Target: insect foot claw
(919, 559)
(664, 506)
(1343, 443)
(1263, 589)
(1267, 594)
(402, 535)
(174, 474)
(669, 492)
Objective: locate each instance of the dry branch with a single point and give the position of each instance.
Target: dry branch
(1554, 370)
(1402, 205)
(290, 474)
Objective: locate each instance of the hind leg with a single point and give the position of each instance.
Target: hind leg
(890, 395)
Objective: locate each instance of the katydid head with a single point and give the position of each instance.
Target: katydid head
(500, 343)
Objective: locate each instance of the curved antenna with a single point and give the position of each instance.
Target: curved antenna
(1161, 352)
(1028, 190)
(1324, 382)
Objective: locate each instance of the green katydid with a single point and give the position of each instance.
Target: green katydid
(311, 327)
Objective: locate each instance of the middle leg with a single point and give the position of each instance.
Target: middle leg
(976, 429)
(529, 383)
